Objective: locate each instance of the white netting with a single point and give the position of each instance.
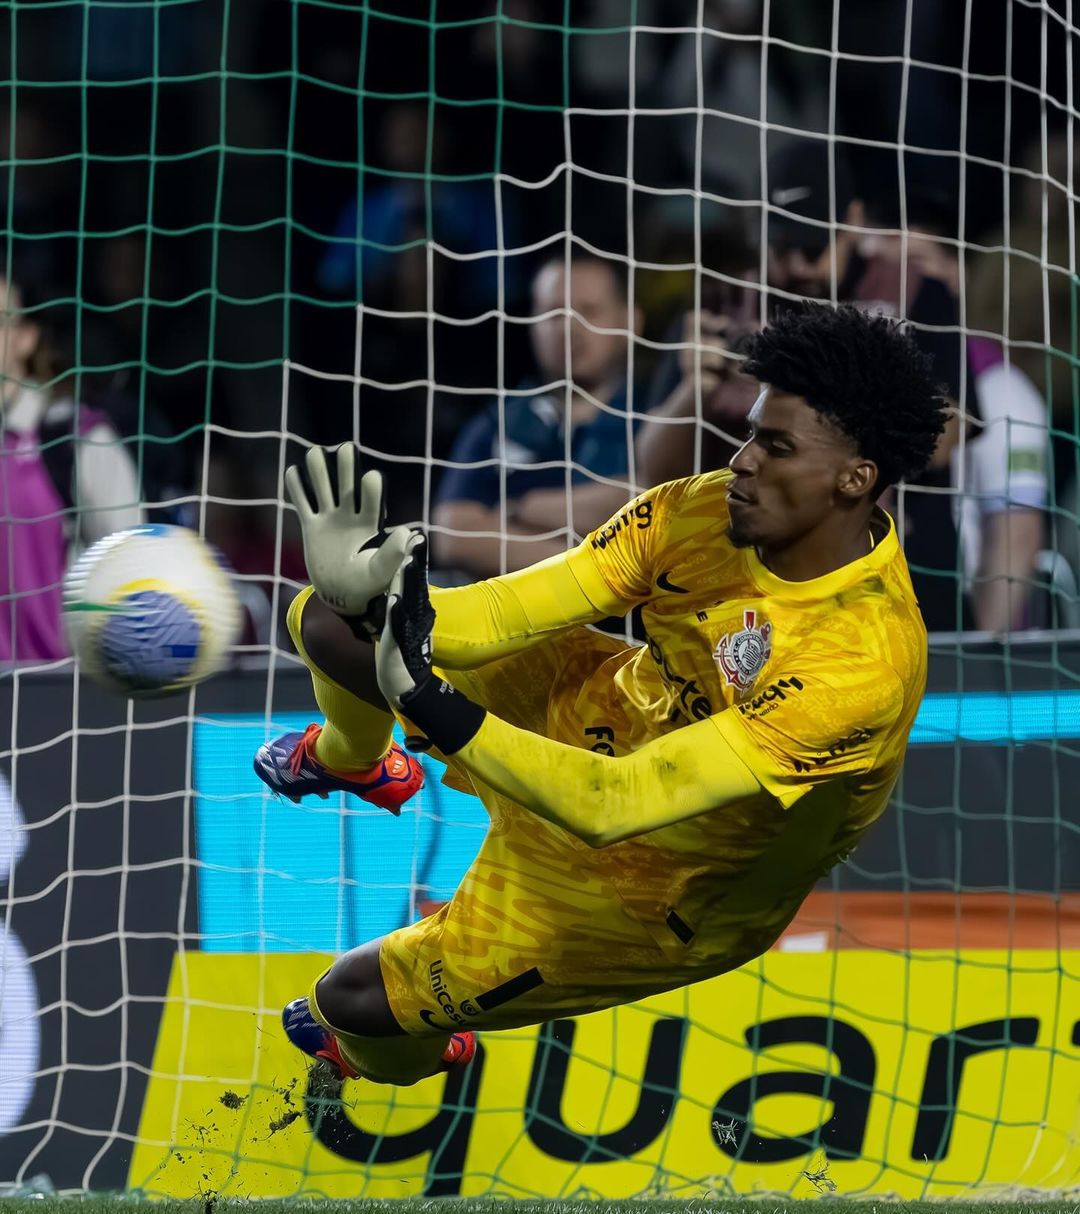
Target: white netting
(509, 248)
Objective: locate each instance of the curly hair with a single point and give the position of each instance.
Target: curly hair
(861, 371)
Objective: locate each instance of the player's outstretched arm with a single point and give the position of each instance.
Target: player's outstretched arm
(491, 619)
(503, 615)
(600, 799)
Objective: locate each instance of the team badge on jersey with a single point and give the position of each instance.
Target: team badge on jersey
(742, 655)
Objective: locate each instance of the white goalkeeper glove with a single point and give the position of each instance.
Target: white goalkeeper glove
(343, 539)
(446, 716)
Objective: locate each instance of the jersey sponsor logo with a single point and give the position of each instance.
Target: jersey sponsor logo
(664, 582)
(442, 996)
(603, 739)
(692, 700)
(639, 515)
(742, 655)
(837, 750)
(761, 705)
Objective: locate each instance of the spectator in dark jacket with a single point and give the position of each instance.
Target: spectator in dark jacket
(535, 471)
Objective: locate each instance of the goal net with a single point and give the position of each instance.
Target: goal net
(509, 247)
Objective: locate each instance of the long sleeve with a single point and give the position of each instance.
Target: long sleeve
(491, 619)
(602, 799)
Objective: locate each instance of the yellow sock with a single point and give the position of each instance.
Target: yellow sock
(356, 734)
(401, 1061)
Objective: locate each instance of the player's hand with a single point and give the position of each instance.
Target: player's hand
(403, 667)
(343, 538)
(403, 658)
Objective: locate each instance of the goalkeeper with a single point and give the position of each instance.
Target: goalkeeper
(658, 813)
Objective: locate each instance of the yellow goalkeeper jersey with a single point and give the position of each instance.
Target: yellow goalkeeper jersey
(818, 683)
(814, 684)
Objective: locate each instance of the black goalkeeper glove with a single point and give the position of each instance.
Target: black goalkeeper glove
(447, 717)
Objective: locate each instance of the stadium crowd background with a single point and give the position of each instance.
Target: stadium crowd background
(194, 193)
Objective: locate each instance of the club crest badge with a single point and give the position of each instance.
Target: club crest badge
(742, 655)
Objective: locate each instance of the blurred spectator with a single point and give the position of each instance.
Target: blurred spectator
(680, 436)
(100, 349)
(547, 437)
(988, 530)
(403, 208)
(65, 481)
(1021, 288)
(720, 71)
(816, 222)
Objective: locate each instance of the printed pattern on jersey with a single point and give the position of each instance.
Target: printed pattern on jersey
(824, 700)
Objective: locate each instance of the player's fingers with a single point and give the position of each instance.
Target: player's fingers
(387, 559)
(319, 477)
(414, 567)
(346, 474)
(396, 588)
(294, 491)
(371, 501)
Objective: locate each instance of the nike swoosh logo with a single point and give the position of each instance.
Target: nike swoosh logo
(665, 583)
(797, 193)
(428, 1019)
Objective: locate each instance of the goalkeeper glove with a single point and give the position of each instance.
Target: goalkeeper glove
(343, 539)
(446, 716)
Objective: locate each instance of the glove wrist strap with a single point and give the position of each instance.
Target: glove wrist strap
(447, 716)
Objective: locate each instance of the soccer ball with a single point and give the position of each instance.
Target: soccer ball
(150, 611)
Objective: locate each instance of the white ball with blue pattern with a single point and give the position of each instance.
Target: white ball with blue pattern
(150, 610)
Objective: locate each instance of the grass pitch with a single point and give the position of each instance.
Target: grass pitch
(425, 1205)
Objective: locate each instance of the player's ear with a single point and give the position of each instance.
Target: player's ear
(857, 478)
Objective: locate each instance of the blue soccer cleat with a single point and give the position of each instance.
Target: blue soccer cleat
(307, 1034)
(288, 766)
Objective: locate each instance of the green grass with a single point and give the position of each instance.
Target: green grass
(422, 1205)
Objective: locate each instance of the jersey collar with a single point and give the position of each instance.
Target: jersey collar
(883, 554)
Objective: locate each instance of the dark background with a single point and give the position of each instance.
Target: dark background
(174, 177)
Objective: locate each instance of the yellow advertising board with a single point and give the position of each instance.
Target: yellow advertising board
(932, 1073)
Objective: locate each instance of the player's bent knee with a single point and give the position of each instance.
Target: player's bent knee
(334, 650)
(352, 998)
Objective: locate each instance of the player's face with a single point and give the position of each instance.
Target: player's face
(788, 473)
(596, 302)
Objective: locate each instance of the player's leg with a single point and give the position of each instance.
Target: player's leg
(346, 1020)
(352, 751)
